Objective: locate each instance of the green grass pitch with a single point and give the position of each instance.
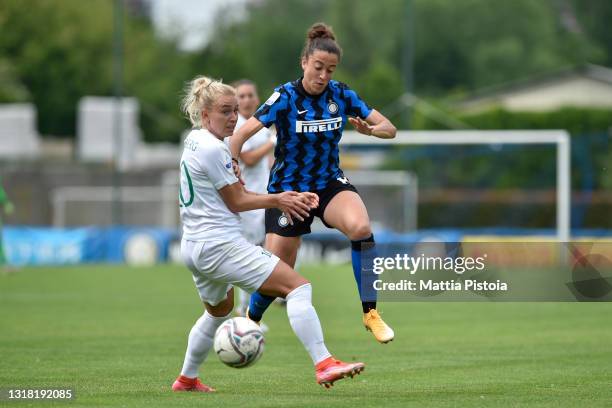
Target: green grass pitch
(117, 336)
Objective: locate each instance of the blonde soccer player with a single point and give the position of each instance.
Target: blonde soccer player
(215, 251)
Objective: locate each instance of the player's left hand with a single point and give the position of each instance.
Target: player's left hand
(362, 126)
(294, 205)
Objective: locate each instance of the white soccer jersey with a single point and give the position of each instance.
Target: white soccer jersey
(206, 166)
(255, 177)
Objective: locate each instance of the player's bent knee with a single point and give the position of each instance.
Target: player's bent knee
(222, 309)
(282, 281)
(360, 231)
(299, 281)
(291, 280)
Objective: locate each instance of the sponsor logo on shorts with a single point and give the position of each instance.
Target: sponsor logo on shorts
(266, 253)
(283, 221)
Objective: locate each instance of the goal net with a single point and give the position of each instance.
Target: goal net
(477, 179)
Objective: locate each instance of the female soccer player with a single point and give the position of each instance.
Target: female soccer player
(214, 249)
(310, 114)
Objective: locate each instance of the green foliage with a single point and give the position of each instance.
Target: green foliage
(11, 88)
(478, 42)
(56, 60)
(574, 120)
(55, 52)
(588, 128)
(265, 48)
(455, 46)
(593, 18)
(506, 167)
(155, 73)
(60, 52)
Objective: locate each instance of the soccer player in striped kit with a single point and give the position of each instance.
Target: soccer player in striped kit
(310, 114)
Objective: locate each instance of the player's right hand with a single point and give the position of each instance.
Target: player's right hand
(237, 171)
(296, 205)
(311, 198)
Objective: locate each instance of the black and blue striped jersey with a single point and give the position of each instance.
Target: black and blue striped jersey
(308, 128)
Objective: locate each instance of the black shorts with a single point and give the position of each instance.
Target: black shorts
(277, 222)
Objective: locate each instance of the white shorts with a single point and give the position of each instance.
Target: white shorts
(216, 266)
(254, 226)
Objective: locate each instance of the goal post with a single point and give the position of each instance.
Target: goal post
(558, 138)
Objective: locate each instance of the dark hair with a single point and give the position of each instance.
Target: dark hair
(321, 37)
(241, 82)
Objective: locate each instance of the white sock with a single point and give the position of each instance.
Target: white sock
(305, 322)
(244, 298)
(200, 342)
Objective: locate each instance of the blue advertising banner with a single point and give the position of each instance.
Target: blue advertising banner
(69, 246)
(45, 246)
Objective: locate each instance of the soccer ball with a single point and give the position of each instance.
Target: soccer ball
(239, 342)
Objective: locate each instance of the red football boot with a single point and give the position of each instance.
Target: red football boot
(183, 383)
(330, 370)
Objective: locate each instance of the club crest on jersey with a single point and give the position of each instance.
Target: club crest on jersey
(283, 221)
(332, 107)
(314, 126)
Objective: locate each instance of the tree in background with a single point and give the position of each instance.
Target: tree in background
(592, 19)
(11, 88)
(54, 52)
(456, 46)
(61, 51)
(59, 54)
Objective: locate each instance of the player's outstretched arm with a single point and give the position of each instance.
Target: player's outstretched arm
(252, 157)
(293, 204)
(376, 124)
(240, 136)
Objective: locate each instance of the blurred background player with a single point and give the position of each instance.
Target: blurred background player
(214, 249)
(255, 170)
(310, 114)
(7, 208)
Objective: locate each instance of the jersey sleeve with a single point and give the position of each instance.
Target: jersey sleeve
(256, 140)
(355, 106)
(217, 163)
(276, 103)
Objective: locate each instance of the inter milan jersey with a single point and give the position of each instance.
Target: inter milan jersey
(308, 128)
